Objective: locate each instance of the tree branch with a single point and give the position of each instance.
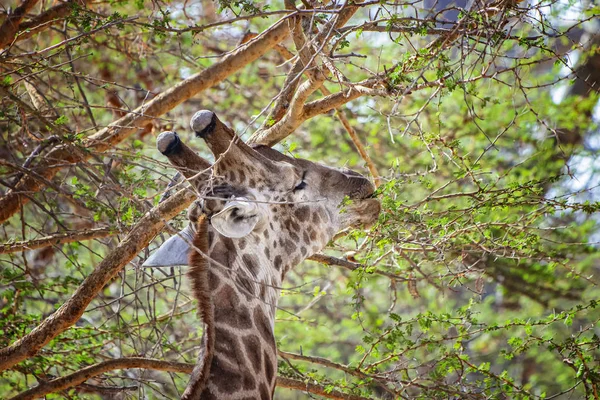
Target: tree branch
(129, 124)
(135, 241)
(45, 19)
(359, 146)
(86, 373)
(54, 240)
(351, 266)
(11, 24)
(314, 388)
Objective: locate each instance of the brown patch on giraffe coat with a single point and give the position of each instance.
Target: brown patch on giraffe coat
(245, 286)
(249, 380)
(213, 280)
(316, 219)
(221, 254)
(208, 395)
(269, 369)
(229, 311)
(312, 233)
(226, 378)
(290, 246)
(277, 263)
(302, 213)
(303, 250)
(252, 183)
(242, 243)
(227, 344)
(267, 252)
(294, 225)
(305, 237)
(264, 392)
(253, 350)
(294, 236)
(266, 234)
(263, 326)
(263, 290)
(251, 262)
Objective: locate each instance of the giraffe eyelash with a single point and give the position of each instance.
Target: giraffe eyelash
(302, 183)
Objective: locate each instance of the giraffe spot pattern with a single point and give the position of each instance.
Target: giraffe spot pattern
(253, 350)
(252, 263)
(294, 237)
(213, 280)
(245, 285)
(277, 263)
(249, 380)
(290, 246)
(269, 369)
(316, 219)
(229, 310)
(263, 290)
(221, 254)
(207, 394)
(227, 344)
(226, 378)
(302, 213)
(264, 392)
(263, 326)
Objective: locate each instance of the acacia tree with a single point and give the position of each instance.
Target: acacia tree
(475, 121)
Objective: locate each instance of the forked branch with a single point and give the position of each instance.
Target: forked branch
(79, 377)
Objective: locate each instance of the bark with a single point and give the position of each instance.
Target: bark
(79, 377)
(314, 388)
(45, 19)
(138, 119)
(135, 241)
(11, 24)
(54, 240)
(84, 374)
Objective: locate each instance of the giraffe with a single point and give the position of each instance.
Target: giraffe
(262, 213)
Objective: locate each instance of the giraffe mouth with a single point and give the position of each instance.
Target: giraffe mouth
(365, 192)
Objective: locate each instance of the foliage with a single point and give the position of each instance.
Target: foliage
(478, 281)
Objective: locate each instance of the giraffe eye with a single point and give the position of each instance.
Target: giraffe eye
(300, 186)
(302, 183)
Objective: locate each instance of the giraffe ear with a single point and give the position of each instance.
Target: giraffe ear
(174, 251)
(237, 219)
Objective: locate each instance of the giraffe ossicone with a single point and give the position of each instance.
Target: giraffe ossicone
(261, 214)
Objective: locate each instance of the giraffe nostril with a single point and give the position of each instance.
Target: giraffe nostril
(168, 143)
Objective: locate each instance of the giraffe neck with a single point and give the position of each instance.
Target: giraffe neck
(198, 273)
(238, 358)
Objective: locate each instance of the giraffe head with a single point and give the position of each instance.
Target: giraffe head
(259, 194)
